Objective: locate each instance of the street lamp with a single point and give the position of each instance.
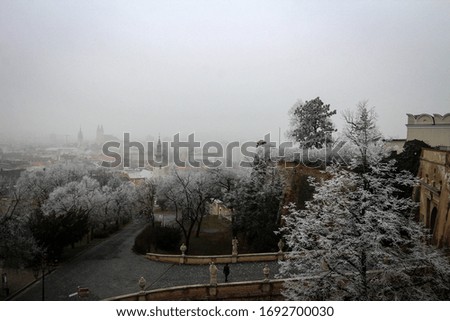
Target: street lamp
(41, 268)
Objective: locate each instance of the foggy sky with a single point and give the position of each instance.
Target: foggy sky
(225, 70)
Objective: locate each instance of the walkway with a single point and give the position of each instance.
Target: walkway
(111, 268)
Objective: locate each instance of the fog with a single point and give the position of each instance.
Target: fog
(225, 70)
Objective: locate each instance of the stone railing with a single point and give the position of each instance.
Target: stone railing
(234, 257)
(254, 290)
(222, 259)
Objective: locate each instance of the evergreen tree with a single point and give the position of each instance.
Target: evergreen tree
(357, 239)
(310, 123)
(256, 201)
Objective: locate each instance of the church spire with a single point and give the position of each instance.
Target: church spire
(80, 137)
(158, 154)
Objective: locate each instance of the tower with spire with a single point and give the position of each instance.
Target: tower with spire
(99, 138)
(158, 155)
(80, 138)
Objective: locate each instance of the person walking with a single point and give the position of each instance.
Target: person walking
(226, 271)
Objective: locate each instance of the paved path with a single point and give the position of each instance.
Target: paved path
(111, 268)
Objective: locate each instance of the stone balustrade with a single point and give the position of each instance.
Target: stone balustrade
(218, 259)
(253, 290)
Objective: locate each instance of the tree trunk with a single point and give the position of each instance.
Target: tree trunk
(364, 285)
(199, 224)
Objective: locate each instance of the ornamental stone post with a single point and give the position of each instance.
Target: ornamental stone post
(234, 245)
(212, 273)
(266, 272)
(280, 246)
(183, 249)
(142, 282)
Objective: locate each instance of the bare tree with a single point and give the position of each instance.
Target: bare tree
(189, 194)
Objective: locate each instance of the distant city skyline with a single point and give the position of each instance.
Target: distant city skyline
(224, 70)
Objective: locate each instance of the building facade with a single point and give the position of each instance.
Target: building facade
(434, 174)
(431, 129)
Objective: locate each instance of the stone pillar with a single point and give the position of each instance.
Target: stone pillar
(183, 249)
(234, 249)
(266, 272)
(5, 287)
(234, 245)
(212, 291)
(142, 282)
(212, 273)
(266, 286)
(280, 254)
(280, 246)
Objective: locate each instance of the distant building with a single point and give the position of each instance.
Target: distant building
(80, 138)
(158, 154)
(431, 129)
(11, 175)
(101, 137)
(217, 207)
(434, 174)
(138, 176)
(395, 145)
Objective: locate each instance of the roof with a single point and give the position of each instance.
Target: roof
(142, 174)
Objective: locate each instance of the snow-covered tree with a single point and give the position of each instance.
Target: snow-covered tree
(357, 239)
(49, 209)
(82, 197)
(17, 245)
(19, 201)
(310, 123)
(225, 178)
(362, 132)
(36, 186)
(125, 198)
(69, 213)
(114, 200)
(145, 199)
(10, 200)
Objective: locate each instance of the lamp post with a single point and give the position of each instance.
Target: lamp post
(41, 268)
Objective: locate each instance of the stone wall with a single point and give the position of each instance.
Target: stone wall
(220, 259)
(434, 174)
(432, 129)
(266, 290)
